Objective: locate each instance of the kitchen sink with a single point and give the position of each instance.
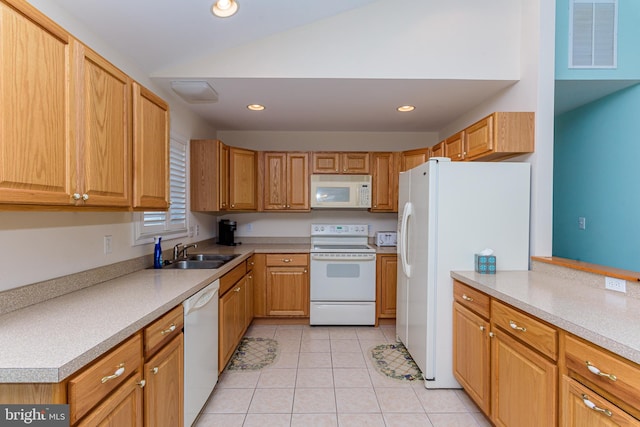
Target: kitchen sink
(211, 257)
(189, 264)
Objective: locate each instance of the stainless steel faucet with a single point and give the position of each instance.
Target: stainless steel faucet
(181, 250)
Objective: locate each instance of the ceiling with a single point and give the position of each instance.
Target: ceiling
(159, 34)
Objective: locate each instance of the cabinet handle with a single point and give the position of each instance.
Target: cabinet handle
(589, 404)
(76, 196)
(597, 371)
(515, 326)
(305, 270)
(116, 374)
(168, 331)
(85, 197)
(287, 260)
(466, 298)
(154, 370)
(491, 335)
(482, 328)
(237, 289)
(233, 206)
(142, 383)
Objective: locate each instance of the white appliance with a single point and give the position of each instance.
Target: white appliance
(386, 238)
(200, 349)
(448, 212)
(343, 275)
(340, 191)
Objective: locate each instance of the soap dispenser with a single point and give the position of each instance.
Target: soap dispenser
(157, 253)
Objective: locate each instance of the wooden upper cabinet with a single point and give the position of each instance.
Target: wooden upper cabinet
(384, 182)
(286, 181)
(335, 162)
(150, 150)
(412, 158)
(103, 132)
(209, 171)
(354, 162)
(37, 150)
(454, 147)
(243, 179)
(500, 135)
(438, 150)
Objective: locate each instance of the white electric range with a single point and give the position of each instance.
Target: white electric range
(343, 275)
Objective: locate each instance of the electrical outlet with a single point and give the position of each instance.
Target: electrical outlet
(107, 244)
(249, 227)
(197, 229)
(582, 223)
(617, 285)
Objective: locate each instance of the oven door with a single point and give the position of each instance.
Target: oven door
(343, 277)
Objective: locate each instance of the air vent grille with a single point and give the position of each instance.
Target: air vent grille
(593, 33)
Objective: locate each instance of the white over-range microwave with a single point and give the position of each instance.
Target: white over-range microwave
(340, 191)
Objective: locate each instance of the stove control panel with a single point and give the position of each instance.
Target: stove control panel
(339, 230)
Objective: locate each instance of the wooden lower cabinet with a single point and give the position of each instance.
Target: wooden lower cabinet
(287, 280)
(582, 407)
(471, 352)
(235, 313)
(123, 408)
(524, 384)
(164, 388)
(387, 279)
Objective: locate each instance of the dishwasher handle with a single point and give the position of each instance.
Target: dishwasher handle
(201, 299)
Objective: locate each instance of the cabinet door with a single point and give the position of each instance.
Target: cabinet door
(385, 185)
(37, 155)
(229, 319)
(164, 389)
(297, 179)
(355, 162)
(582, 407)
(471, 352)
(275, 181)
(287, 291)
(454, 147)
(413, 158)
(387, 283)
(325, 162)
(479, 137)
(104, 131)
(242, 179)
(248, 302)
(438, 150)
(150, 150)
(123, 408)
(524, 384)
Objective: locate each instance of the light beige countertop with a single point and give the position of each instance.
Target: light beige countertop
(606, 318)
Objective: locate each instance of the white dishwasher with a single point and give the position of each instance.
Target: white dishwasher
(200, 349)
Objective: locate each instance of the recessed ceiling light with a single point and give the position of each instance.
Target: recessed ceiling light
(255, 107)
(224, 8)
(405, 108)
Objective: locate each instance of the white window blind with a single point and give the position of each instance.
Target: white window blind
(593, 28)
(174, 221)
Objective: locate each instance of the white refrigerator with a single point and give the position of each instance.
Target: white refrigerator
(449, 211)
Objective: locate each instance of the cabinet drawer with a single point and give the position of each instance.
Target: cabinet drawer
(604, 367)
(103, 376)
(163, 330)
(578, 408)
(541, 337)
(287, 259)
(472, 299)
(231, 278)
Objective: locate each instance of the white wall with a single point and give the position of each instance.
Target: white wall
(36, 246)
(534, 92)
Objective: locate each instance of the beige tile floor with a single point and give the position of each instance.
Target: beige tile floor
(323, 376)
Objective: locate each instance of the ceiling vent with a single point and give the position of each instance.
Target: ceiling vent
(195, 92)
(593, 33)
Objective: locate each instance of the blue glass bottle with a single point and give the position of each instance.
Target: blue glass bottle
(157, 253)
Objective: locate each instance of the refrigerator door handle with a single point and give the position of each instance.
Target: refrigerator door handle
(404, 236)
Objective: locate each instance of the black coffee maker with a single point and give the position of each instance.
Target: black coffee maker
(226, 227)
